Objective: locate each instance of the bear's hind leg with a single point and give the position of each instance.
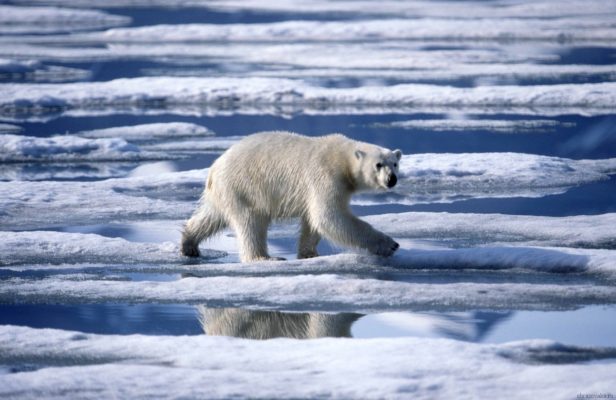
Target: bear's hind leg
(308, 241)
(251, 231)
(205, 222)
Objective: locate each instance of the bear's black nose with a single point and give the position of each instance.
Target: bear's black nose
(391, 182)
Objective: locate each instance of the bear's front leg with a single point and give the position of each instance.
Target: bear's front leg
(341, 226)
(308, 241)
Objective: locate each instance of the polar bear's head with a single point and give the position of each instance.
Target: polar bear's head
(377, 167)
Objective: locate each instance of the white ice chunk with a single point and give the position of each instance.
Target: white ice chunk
(220, 93)
(585, 231)
(597, 28)
(74, 248)
(19, 20)
(36, 171)
(492, 125)
(190, 146)
(35, 71)
(16, 148)
(10, 128)
(448, 9)
(149, 132)
(141, 366)
(481, 286)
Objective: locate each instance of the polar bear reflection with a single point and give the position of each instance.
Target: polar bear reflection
(251, 324)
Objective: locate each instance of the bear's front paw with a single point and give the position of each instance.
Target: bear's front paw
(386, 247)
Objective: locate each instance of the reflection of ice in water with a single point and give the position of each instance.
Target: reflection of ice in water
(469, 326)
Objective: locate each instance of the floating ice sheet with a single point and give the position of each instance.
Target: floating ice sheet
(467, 10)
(9, 128)
(362, 291)
(505, 242)
(149, 132)
(460, 229)
(137, 366)
(37, 171)
(35, 71)
(17, 148)
(292, 95)
(598, 29)
(491, 125)
(77, 248)
(110, 145)
(424, 178)
(19, 20)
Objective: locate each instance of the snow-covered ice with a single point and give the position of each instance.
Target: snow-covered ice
(222, 93)
(76, 248)
(334, 292)
(10, 128)
(597, 28)
(20, 20)
(35, 71)
(137, 366)
(18, 148)
(492, 125)
(149, 132)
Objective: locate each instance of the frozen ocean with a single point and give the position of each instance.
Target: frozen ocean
(504, 286)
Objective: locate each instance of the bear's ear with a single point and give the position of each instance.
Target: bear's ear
(398, 154)
(359, 154)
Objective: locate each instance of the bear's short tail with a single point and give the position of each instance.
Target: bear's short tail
(205, 222)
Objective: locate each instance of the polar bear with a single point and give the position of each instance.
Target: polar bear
(260, 325)
(278, 175)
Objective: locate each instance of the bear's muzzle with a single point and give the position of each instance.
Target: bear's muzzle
(391, 182)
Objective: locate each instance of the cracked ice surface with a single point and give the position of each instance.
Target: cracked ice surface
(145, 366)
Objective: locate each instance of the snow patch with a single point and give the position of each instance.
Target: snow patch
(20, 20)
(16, 148)
(572, 29)
(492, 125)
(78, 248)
(149, 132)
(236, 93)
(138, 366)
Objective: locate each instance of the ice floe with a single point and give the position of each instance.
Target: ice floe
(20, 20)
(424, 178)
(491, 125)
(460, 229)
(9, 128)
(35, 71)
(37, 171)
(17, 148)
(74, 248)
(112, 144)
(415, 9)
(149, 132)
(445, 290)
(293, 95)
(572, 29)
(138, 366)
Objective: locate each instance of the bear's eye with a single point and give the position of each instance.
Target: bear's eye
(379, 165)
(395, 165)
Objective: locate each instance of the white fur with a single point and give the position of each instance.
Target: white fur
(276, 175)
(254, 324)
